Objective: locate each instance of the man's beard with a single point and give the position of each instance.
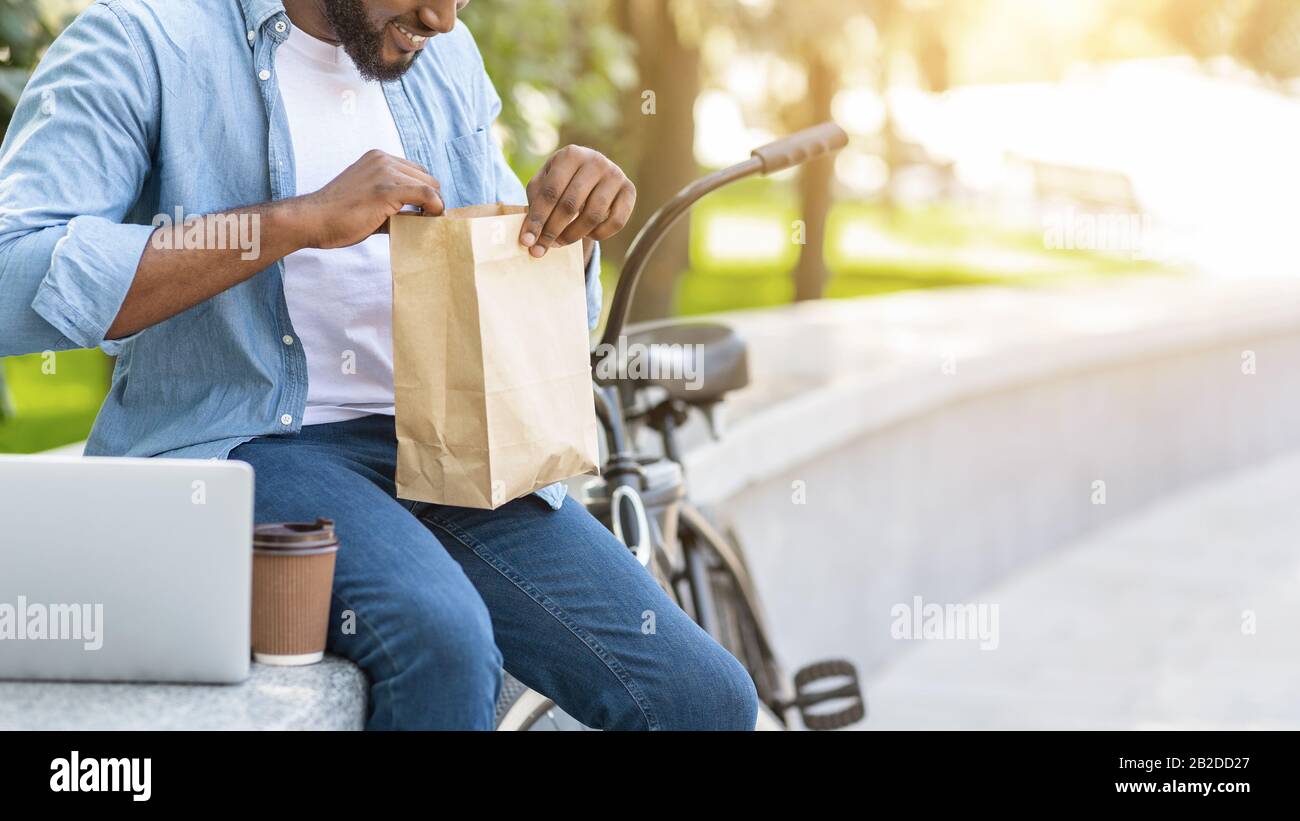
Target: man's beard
(362, 42)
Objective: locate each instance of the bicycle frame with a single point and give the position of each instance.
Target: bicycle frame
(623, 471)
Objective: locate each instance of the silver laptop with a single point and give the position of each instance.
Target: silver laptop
(125, 569)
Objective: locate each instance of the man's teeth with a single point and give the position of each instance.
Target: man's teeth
(415, 38)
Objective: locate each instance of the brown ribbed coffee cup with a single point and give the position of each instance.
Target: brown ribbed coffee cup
(293, 576)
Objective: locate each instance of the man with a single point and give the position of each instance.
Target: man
(306, 126)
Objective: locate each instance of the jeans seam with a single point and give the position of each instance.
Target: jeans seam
(382, 646)
(599, 650)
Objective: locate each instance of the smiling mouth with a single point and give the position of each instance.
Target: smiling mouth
(407, 39)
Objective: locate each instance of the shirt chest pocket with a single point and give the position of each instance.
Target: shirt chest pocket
(470, 161)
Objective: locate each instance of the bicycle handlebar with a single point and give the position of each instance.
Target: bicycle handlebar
(796, 149)
(801, 147)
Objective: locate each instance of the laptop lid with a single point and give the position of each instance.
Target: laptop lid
(125, 569)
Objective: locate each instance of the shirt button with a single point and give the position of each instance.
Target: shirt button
(252, 35)
(286, 420)
(280, 26)
(263, 75)
(288, 340)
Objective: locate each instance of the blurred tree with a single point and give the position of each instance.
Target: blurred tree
(1262, 34)
(25, 31)
(659, 123)
(1269, 39)
(819, 36)
(658, 133)
(561, 68)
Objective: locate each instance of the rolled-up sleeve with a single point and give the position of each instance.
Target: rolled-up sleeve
(71, 168)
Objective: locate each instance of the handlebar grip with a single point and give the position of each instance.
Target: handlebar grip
(801, 146)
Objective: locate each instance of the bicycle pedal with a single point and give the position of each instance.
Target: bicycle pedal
(811, 689)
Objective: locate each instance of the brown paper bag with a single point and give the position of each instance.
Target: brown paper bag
(490, 360)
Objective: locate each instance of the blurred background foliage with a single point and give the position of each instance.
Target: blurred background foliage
(950, 104)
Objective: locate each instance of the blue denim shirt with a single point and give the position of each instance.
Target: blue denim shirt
(143, 106)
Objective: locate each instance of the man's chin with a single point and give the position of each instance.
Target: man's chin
(387, 68)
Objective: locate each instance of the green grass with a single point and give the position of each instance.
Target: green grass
(55, 399)
(904, 248)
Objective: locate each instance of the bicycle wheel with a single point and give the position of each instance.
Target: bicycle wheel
(738, 626)
(522, 709)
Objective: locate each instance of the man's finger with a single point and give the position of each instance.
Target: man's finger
(597, 210)
(424, 197)
(544, 193)
(409, 191)
(380, 157)
(619, 213)
(401, 164)
(418, 171)
(570, 207)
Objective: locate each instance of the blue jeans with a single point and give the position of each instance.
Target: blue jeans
(433, 601)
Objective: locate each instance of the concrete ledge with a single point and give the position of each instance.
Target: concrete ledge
(825, 373)
(331, 695)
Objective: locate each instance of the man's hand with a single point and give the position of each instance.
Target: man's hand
(578, 195)
(352, 207)
(357, 203)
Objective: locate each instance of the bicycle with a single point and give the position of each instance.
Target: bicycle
(641, 496)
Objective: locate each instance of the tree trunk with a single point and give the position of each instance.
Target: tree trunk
(815, 186)
(665, 140)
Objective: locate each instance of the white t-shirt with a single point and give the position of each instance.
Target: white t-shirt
(340, 300)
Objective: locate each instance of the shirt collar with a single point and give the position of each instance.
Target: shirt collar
(257, 12)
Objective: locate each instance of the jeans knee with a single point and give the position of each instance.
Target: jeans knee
(443, 670)
(737, 699)
(719, 695)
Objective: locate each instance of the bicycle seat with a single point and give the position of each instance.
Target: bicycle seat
(696, 362)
